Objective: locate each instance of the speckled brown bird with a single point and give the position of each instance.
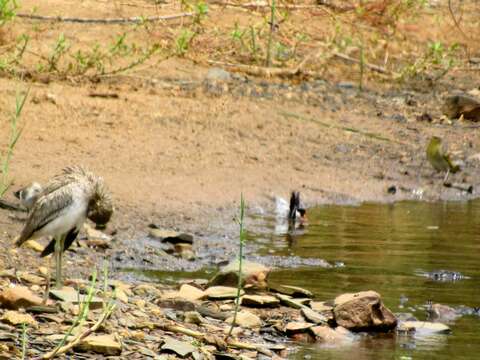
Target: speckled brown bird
(63, 206)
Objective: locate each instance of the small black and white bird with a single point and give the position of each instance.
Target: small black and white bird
(62, 207)
(289, 215)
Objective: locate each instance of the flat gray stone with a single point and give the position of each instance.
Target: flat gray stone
(222, 292)
(293, 291)
(70, 295)
(313, 316)
(181, 348)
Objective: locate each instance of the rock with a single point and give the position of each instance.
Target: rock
(176, 304)
(19, 297)
(222, 292)
(185, 251)
(170, 236)
(337, 336)
(297, 327)
(193, 317)
(363, 311)
(442, 313)
(147, 290)
(321, 306)
(70, 295)
(252, 274)
(218, 74)
(259, 301)
(313, 316)
(34, 245)
(190, 292)
(246, 319)
(460, 104)
(17, 318)
(181, 348)
(100, 344)
(96, 238)
(293, 291)
(293, 303)
(423, 327)
(121, 295)
(32, 278)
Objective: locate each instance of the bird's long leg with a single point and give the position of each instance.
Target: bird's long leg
(59, 244)
(47, 285)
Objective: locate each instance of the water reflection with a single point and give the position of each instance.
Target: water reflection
(387, 248)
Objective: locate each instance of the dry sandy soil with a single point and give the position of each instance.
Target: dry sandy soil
(177, 148)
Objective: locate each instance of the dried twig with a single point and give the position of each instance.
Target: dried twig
(455, 21)
(130, 20)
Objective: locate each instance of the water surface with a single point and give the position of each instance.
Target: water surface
(386, 248)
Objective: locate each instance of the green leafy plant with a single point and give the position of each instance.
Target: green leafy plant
(60, 48)
(241, 243)
(7, 10)
(15, 133)
(182, 42)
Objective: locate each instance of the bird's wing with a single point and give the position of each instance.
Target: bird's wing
(70, 238)
(45, 210)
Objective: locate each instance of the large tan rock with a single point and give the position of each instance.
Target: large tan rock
(246, 319)
(190, 292)
(252, 274)
(222, 292)
(363, 311)
(17, 318)
(19, 297)
(101, 344)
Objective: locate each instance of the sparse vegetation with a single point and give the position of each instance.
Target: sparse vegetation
(15, 133)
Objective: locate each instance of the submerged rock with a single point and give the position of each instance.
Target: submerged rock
(363, 311)
(423, 327)
(171, 236)
(252, 274)
(440, 313)
(18, 297)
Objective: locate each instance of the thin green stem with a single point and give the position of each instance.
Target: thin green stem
(240, 263)
(14, 136)
(24, 341)
(268, 61)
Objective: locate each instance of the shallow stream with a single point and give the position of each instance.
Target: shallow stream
(389, 248)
